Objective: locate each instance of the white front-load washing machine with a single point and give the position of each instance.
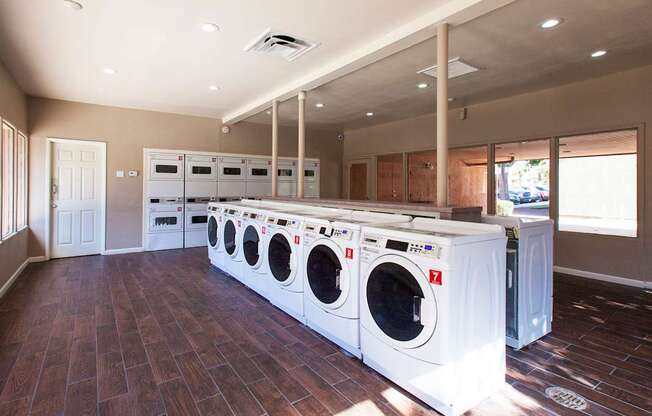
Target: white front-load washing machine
(432, 309)
(331, 274)
(231, 226)
(213, 237)
(284, 251)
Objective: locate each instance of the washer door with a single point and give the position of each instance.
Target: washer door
(328, 274)
(281, 258)
(251, 246)
(213, 236)
(401, 304)
(230, 237)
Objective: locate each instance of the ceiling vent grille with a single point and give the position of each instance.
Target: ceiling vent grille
(456, 68)
(284, 45)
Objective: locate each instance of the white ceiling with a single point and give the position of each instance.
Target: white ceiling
(164, 62)
(514, 54)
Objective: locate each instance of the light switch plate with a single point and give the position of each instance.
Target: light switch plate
(119, 173)
(133, 173)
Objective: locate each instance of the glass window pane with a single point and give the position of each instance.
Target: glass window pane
(8, 134)
(21, 182)
(523, 178)
(467, 177)
(597, 183)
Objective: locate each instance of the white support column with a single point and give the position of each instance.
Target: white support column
(301, 148)
(274, 148)
(442, 115)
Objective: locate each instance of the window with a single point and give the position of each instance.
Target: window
(598, 183)
(21, 182)
(8, 137)
(13, 180)
(522, 172)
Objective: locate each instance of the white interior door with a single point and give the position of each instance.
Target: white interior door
(77, 199)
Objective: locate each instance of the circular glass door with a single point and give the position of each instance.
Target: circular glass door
(229, 237)
(212, 231)
(323, 269)
(279, 253)
(393, 298)
(250, 241)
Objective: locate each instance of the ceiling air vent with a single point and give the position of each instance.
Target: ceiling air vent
(285, 45)
(456, 68)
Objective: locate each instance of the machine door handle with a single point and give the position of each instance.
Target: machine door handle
(337, 279)
(416, 309)
(510, 278)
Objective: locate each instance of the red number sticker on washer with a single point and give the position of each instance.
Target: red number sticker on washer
(264, 230)
(180, 157)
(297, 239)
(349, 253)
(435, 277)
(179, 209)
(239, 224)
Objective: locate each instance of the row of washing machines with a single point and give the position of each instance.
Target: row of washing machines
(421, 301)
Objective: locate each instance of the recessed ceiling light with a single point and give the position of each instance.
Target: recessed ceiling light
(451, 99)
(319, 105)
(599, 53)
(213, 88)
(268, 112)
(73, 4)
(550, 23)
(109, 71)
(370, 114)
(210, 27)
(422, 85)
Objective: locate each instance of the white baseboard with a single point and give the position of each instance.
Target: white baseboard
(123, 251)
(9, 283)
(603, 277)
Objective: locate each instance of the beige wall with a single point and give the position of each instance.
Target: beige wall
(126, 133)
(13, 108)
(618, 100)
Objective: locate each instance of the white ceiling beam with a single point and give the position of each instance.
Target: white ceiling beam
(453, 12)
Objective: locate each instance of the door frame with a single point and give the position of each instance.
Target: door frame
(371, 172)
(50, 142)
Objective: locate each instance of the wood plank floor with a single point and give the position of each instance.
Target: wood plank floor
(162, 333)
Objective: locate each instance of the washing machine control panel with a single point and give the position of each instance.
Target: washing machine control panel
(251, 215)
(283, 222)
(420, 248)
(342, 233)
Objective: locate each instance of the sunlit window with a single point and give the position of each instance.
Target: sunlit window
(8, 136)
(21, 182)
(597, 183)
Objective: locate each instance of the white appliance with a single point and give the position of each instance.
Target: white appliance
(529, 277)
(432, 309)
(164, 224)
(331, 274)
(259, 177)
(195, 222)
(231, 177)
(311, 179)
(214, 234)
(164, 174)
(283, 252)
(231, 225)
(287, 177)
(201, 175)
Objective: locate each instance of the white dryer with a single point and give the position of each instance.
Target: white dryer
(259, 177)
(529, 277)
(164, 229)
(432, 309)
(331, 274)
(195, 222)
(287, 177)
(165, 173)
(213, 230)
(201, 175)
(283, 252)
(311, 179)
(231, 177)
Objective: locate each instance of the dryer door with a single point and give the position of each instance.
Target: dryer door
(399, 302)
(282, 257)
(327, 273)
(230, 237)
(213, 235)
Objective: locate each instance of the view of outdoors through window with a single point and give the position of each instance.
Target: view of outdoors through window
(523, 178)
(597, 183)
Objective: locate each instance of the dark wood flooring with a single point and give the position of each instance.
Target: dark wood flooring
(162, 333)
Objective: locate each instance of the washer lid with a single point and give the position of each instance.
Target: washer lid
(327, 273)
(213, 235)
(230, 237)
(251, 245)
(281, 258)
(400, 302)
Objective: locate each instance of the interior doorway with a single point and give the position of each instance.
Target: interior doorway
(389, 177)
(76, 197)
(358, 181)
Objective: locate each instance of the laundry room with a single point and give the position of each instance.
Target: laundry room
(213, 208)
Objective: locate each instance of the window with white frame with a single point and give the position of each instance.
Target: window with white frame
(13, 180)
